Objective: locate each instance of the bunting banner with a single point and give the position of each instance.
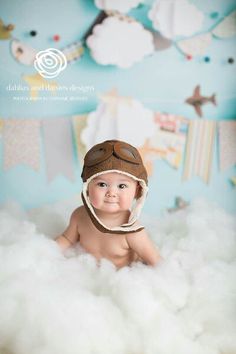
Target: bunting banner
(199, 44)
(227, 143)
(58, 147)
(21, 143)
(25, 54)
(79, 123)
(199, 149)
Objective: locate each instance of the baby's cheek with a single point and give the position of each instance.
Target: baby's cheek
(127, 201)
(94, 199)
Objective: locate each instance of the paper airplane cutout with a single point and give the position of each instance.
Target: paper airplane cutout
(197, 101)
(180, 203)
(233, 180)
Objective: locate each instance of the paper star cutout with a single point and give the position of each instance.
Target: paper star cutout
(37, 81)
(148, 154)
(112, 99)
(5, 31)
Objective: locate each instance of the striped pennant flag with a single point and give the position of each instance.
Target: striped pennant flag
(199, 149)
(227, 143)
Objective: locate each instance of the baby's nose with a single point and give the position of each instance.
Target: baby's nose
(111, 192)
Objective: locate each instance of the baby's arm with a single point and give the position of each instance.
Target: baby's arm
(70, 236)
(141, 244)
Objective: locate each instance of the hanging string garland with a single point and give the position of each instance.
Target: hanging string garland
(220, 99)
(99, 19)
(224, 28)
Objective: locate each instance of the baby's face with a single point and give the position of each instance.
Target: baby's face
(112, 192)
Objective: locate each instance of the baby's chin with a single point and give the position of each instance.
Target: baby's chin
(110, 207)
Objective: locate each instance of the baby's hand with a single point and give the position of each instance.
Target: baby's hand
(70, 236)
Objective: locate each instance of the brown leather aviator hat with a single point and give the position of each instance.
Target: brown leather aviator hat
(115, 156)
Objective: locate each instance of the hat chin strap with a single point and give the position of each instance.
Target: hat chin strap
(126, 228)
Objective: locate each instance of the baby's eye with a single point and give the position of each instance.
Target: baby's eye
(122, 186)
(102, 184)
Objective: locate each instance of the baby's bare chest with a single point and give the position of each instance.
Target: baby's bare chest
(102, 244)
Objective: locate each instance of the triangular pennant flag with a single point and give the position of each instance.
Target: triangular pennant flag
(199, 150)
(21, 143)
(227, 143)
(58, 147)
(227, 27)
(196, 45)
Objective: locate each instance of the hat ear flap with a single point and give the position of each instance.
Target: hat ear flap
(139, 191)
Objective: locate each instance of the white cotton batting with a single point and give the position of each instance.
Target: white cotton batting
(55, 303)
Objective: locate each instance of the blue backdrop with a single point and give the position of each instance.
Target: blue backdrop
(161, 82)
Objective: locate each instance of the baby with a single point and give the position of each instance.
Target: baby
(114, 191)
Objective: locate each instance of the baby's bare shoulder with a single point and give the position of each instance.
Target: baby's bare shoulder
(137, 236)
(78, 213)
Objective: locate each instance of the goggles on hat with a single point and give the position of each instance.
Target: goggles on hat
(103, 151)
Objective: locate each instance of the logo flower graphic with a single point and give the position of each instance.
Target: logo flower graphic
(50, 62)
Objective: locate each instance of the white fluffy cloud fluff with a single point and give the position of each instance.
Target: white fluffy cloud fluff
(117, 5)
(119, 118)
(175, 18)
(120, 42)
(54, 303)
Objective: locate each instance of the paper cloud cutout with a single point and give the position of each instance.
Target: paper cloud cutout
(117, 5)
(119, 118)
(120, 42)
(175, 18)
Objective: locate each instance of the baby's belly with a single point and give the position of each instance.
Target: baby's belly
(120, 258)
(121, 261)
